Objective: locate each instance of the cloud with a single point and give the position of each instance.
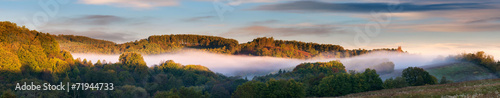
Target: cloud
(265, 22)
(451, 27)
(97, 33)
(258, 30)
(315, 6)
(239, 2)
(450, 21)
(107, 27)
(198, 19)
(133, 3)
(494, 19)
(95, 19)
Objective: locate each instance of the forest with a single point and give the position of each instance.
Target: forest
(31, 56)
(157, 44)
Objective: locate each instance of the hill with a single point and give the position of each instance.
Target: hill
(479, 88)
(462, 71)
(153, 45)
(158, 44)
(21, 47)
(454, 71)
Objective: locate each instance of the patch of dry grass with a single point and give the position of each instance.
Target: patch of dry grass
(477, 89)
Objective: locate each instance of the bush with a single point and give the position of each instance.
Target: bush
(417, 76)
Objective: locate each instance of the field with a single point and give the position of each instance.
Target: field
(461, 71)
(480, 88)
(456, 72)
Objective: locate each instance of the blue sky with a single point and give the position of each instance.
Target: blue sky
(425, 26)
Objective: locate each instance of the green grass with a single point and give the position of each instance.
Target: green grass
(479, 88)
(462, 71)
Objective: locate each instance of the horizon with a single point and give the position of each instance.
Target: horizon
(421, 27)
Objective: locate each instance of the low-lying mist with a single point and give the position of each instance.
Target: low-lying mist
(249, 66)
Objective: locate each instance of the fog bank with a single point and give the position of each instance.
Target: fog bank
(250, 66)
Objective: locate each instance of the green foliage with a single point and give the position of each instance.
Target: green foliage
(372, 79)
(417, 76)
(481, 58)
(132, 59)
(23, 47)
(397, 82)
(462, 71)
(129, 91)
(343, 83)
(250, 89)
(183, 92)
(8, 94)
(325, 79)
(270, 89)
(320, 67)
(153, 45)
(134, 62)
(339, 84)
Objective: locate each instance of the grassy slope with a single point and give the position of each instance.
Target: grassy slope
(461, 71)
(479, 88)
(457, 72)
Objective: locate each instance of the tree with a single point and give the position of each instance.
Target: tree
(183, 92)
(9, 61)
(294, 89)
(272, 88)
(320, 67)
(397, 82)
(98, 63)
(372, 79)
(129, 91)
(250, 89)
(134, 62)
(444, 80)
(417, 76)
(132, 59)
(8, 94)
(335, 85)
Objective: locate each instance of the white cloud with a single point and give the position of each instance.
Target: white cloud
(133, 3)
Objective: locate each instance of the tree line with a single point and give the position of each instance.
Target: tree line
(158, 44)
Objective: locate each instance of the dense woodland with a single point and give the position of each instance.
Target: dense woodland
(30, 56)
(170, 43)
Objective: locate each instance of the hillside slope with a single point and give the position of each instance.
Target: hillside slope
(21, 48)
(158, 44)
(481, 88)
(455, 71)
(462, 71)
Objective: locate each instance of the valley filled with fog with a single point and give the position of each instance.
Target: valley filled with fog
(240, 65)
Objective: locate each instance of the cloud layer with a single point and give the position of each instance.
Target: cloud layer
(315, 6)
(309, 29)
(133, 3)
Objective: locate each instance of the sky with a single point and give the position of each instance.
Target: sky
(429, 27)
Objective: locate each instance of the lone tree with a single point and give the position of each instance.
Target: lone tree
(417, 76)
(134, 62)
(131, 59)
